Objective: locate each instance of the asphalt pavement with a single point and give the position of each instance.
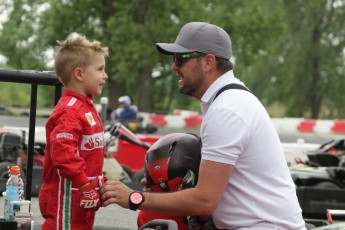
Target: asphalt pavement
(112, 217)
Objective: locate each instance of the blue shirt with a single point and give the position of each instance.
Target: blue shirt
(126, 113)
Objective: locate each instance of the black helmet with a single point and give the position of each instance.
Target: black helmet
(173, 162)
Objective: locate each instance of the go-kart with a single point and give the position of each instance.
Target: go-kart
(13, 151)
(129, 149)
(324, 167)
(329, 154)
(300, 152)
(320, 183)
(296, 152)
(328, 223)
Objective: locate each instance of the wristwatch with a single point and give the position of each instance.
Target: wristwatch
(136, 198)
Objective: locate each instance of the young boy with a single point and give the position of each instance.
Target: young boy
(74, 152)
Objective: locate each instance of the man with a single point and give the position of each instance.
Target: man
(244, 181)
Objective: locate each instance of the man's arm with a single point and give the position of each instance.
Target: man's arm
(201, 200)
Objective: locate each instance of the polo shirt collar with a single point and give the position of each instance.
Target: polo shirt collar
(213, 89)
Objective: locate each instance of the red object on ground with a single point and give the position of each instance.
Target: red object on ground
(306, 126)
(339, 126)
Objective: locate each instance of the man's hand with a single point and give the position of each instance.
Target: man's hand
(104, 179)
(146, 188)
(115, 192)
(90, 197)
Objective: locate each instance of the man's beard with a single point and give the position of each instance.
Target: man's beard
(189, 88)
(192, 86)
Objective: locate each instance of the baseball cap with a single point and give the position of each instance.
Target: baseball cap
(200, 37)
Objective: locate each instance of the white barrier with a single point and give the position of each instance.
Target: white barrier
(282, 125)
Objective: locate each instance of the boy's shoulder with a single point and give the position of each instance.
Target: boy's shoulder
(68, 104)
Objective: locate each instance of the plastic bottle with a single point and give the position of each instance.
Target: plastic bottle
(14, 190)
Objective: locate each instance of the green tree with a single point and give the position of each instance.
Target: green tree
(307, 67)
(289, 52)
(18, 43)
(129, 29)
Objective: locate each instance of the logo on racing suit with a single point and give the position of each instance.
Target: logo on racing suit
(64, 135)
(90, 119)
(91, 194)
(89, 203)
(72, 101)
(93, 141)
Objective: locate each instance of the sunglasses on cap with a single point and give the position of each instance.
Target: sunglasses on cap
(178, 59)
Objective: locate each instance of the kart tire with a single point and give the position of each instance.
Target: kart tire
(127, 170)
(326, 185)
(150, 128)
(138, 176)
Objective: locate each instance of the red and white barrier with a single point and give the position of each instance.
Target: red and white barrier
(322, 126)
(192, 119)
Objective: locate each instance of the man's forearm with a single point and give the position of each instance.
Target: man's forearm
(181, 203)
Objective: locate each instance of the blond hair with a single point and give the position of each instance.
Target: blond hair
(75, 51)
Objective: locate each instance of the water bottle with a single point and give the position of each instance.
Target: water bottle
(14, 190)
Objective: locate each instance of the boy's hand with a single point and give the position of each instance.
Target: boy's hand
(104, 179)
(90, 196)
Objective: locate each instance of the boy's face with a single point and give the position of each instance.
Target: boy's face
(94, 76)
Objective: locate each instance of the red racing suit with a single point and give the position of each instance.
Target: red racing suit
(74, 156)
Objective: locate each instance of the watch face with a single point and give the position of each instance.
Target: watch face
(136, 198)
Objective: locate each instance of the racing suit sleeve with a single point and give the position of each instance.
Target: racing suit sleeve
(64, 148)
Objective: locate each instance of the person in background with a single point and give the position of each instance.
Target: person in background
(126, 111)
(73, 159)
(243, 181)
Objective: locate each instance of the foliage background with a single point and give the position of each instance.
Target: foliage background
(290, 53)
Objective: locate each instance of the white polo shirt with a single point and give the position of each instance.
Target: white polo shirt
(237, 130)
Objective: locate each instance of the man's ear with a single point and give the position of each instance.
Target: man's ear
(210, 61)
(78, 74)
